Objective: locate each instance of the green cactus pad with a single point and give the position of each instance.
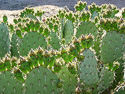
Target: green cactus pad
(94, 15)
(9, 85)
(88, 68)
(31, 16)
(113, 46)
(62, 21)
(4, 40)
(14, 45)
(68, 31)
(55, 41)
(69, 80)
(85, 28)
(106, 79)
(41, 81)
(31, 40)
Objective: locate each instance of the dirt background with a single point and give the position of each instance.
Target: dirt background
(12, 8)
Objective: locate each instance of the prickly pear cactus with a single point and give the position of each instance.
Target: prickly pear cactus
(88, 68)
(62, 21)
(85, 28)
(54, 41)
(31, 40)
(41, 81)
(68, 31)
(94, 15)
(4, 40)
(14, 45)
(30, 16)
(112, 47)
(81, 54)
(106, 79)
(69, 80)
(9, 85)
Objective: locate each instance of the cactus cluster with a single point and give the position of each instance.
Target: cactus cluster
(81, 52)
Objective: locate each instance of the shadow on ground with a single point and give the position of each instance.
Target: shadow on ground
(21, 4)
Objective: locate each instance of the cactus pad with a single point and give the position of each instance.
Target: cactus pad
(31, 16)
(113, 46)
(95, 13)
(85, 28)
(88, 68)
(68, 31)
(9, 85)
(62, 21)
(106, 79)
(4, 40)
(54, 42)
(69, 80)
(14, 45)
(41, 81)
(31, 40)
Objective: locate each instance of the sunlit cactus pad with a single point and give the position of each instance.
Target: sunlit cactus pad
(9, 85)
(43, 81)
